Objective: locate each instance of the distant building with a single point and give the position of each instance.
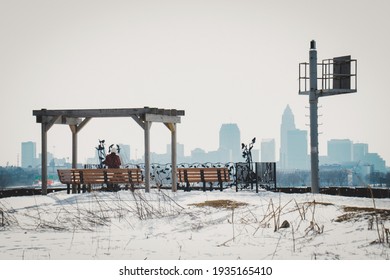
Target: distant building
(355, 158)
(29, 154)
(125, 153)
(297, 157)
(159, 158)
(288, 124)
(179, 152)
(198, 155)
(359, 151)
(50, 158)
(378, 163)
(267, 150)
(95, 159)
(230, 142)
(255, 155)
(339, 150)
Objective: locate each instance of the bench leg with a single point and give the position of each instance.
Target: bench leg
(68, 188)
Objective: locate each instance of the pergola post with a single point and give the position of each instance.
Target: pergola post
(44, 158)
(147, 126)
(47, 123)
(172, 128)
(73, 128)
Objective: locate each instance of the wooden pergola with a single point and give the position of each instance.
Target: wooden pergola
(77, 119)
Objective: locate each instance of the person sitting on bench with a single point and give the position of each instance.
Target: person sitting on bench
(112, 160)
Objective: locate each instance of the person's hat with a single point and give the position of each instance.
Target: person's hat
(114, 150)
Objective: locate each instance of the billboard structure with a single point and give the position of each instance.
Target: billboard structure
(338, 75)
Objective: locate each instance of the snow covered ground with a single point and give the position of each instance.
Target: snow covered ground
(195, 225)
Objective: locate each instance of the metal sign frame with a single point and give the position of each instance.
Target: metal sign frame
(329, 77)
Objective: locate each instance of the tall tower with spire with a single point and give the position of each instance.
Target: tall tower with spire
(288, 124)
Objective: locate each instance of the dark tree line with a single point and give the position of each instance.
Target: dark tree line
(17, 176)
(330, 178)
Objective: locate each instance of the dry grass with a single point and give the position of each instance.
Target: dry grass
(222, 203)
(90, 211)
(374, 216)
(355, 213)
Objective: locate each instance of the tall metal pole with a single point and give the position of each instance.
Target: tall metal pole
(313, 99)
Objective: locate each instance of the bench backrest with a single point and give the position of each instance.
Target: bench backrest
(92, 176)
(69, 176)
(127, 175)
(194, 174)
(100, 176)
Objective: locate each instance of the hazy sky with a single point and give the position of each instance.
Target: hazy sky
(222, 61)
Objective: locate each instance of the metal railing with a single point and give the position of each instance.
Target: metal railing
(243, 176)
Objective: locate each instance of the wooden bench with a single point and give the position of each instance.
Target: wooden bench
(89, 177)
(203, 175)
(69, 177)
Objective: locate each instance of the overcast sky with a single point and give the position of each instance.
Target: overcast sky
(222, 61)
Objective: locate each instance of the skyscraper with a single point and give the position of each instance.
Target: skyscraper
(288, 124)
(340, 150)
(268, 150)
(28, 154)
(230, 141)
(297, 156)
(124, 153)
(359, 150)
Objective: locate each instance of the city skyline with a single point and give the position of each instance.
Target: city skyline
(340, 151)
(221, 62)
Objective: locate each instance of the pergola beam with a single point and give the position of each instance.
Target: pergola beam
(107, 113)
(162, 118)
(51, 121)
(139, 121)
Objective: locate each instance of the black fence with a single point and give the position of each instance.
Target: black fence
(255, 175)
(242, 175)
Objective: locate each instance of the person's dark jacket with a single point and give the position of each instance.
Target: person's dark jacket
(112, 161)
